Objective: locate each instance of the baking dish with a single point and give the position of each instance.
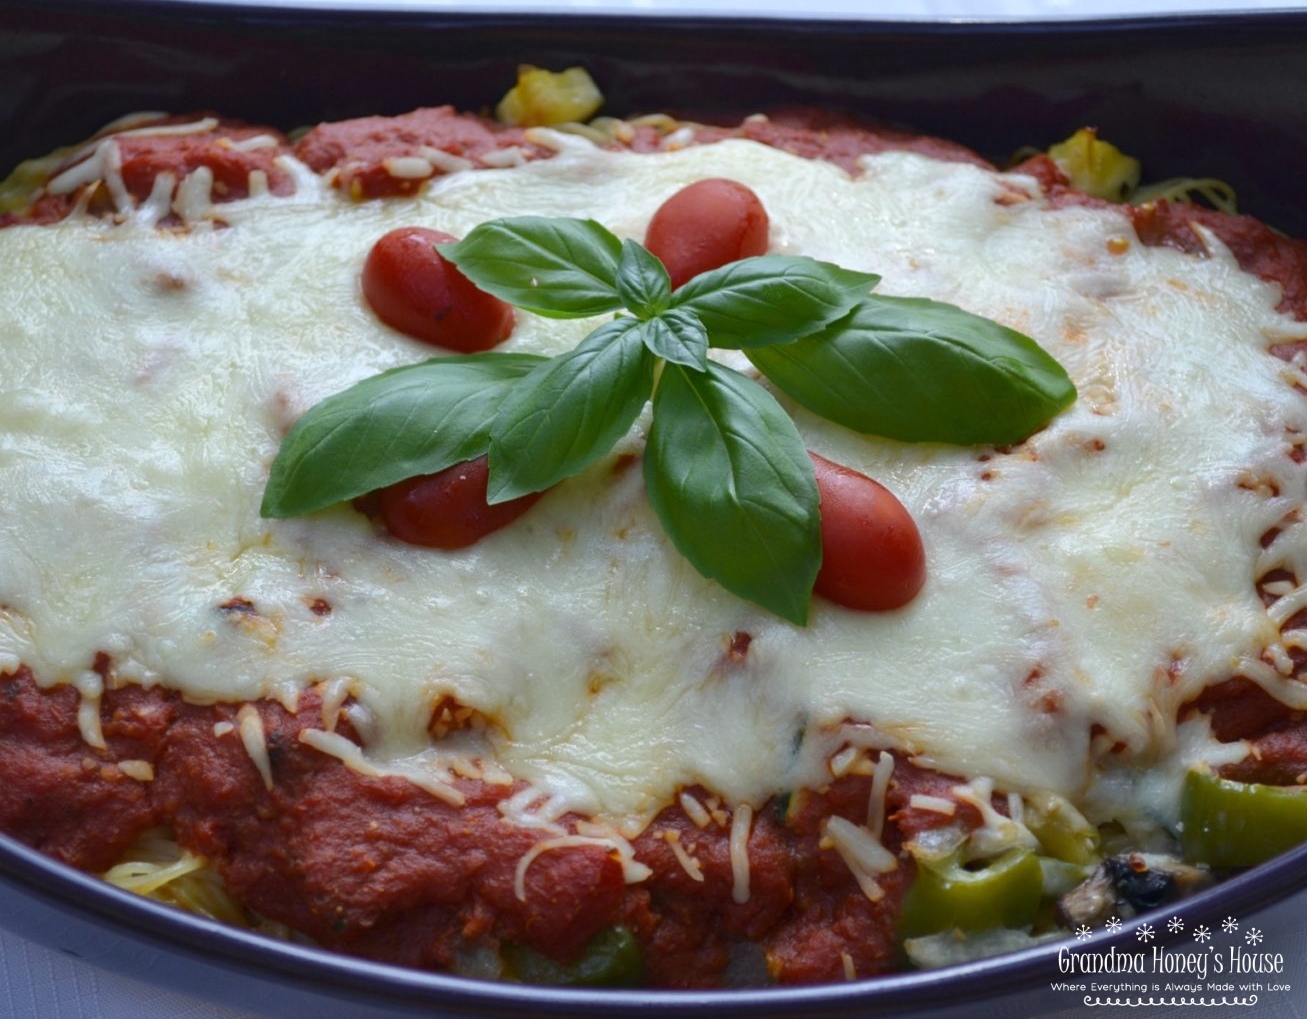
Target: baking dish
(1178, 92)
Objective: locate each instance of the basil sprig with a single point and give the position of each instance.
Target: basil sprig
(921, 371)
(730, 479)
(414, 420)
(570, 411)
(725, 467)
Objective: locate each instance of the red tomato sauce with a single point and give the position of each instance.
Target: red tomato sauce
(842, 140)
(229, 149)
(362, 153)
(63, 797)
(381, 868)
(376, 157)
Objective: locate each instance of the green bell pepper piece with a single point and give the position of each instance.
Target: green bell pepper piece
(613, 958)
(1062, 831)
(946, 894)
(1239, 824)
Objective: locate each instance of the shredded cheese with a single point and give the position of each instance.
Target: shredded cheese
(741, 823)
(351, 755)
(518, 809)
(141, 771)
(688, 863)
(91, 686)
(158, 203)
(880, 780)
(1016, 808)
(862, 852)
(633, 870)
(194, 198)
(504, 158)
(257, 183)
(91, 167)
(202, 126)
(842, 763)
(1288, 605)
(250, 725)
(335, 692)
(695, 810)
(935, 804)
(996, 832)
(255, 141)
(444, 162)
(408, 167)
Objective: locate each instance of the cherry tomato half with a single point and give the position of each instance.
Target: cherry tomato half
(448, 509)
(414, 289)
(705, 225)
(872, 556)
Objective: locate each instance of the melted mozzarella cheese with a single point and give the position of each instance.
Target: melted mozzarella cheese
(1089, 581)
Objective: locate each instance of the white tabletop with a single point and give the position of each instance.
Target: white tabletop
(38, 983)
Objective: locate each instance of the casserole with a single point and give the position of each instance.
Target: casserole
(99, 41)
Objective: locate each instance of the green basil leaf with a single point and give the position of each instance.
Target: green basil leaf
(730, 479)
(922, 371)
(642, 281)
(557, 267)
(413, 420)
(570, 411)
(771, 298)
(677, 336)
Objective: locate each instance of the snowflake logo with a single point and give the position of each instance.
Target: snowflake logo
(1112, 926)
(1083, 933)
(1253, 937)
(1145, 932)
(1201, 933)
(1229, 925)
(1175, 925)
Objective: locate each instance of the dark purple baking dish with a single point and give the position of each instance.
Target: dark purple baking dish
(1220, 95)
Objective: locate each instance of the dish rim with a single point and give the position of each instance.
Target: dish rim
(212, 943)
